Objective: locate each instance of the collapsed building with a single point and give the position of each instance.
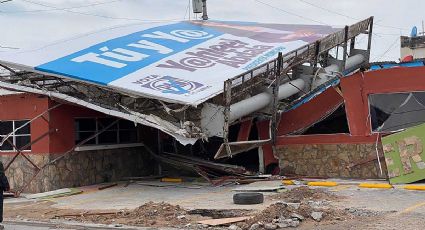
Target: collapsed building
(106, 105)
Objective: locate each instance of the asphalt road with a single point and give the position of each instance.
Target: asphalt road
(22, 227)
(51, 226)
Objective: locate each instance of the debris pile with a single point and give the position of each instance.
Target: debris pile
(207, 169)
(305, 193)
(149, 214)
(295, 206)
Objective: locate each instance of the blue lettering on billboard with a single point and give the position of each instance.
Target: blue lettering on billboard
(116, 58)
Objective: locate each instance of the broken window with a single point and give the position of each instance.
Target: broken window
(336, 122)
(21, 136)
(396, 111)
(123, 132)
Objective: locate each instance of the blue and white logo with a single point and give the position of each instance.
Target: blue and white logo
(170, 85)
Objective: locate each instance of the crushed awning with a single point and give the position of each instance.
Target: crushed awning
(159, 74)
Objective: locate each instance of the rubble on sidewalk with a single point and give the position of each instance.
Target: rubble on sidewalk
(149, 214)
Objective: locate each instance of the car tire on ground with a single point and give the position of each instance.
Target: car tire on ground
(248, 198)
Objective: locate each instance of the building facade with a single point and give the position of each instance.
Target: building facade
(338, 133)
(41, 130)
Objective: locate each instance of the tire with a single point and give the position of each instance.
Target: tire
(248, 198)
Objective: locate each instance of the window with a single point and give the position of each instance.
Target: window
(395, 111)
(336, 122)
(20, 138)
(123, 132)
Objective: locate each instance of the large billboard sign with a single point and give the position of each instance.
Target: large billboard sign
(184, 62)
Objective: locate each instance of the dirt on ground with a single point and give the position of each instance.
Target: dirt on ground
(149, 214)
(299, 207)
(295, 207)
(34, 210)
(305, 193)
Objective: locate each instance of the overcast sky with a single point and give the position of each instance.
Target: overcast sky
(33, 23)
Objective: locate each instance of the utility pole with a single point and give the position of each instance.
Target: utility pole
(204, 10)
(200, 6)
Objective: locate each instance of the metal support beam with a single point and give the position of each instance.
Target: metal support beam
(8, 69)
(227, 103)
(370, 32)
(204, 10)
(29, 122)
(275, 102)
(352, 44)
(316, 54)
(345, 52)
(19, 151)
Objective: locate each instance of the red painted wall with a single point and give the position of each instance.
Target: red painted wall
(357, 88)
(26, 107)
(356, 105)
(299, 118)
(62, 118)
(355, 91)
(310, 112)
(264, 134)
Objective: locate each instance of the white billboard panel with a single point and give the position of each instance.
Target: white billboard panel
(184, 62)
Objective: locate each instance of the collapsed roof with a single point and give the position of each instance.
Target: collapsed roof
(159, 74)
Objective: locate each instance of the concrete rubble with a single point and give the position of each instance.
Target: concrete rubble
(186, 207)
(317, 216)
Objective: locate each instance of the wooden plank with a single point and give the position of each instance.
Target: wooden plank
(107, 186)
(223, 221)
(49, 193)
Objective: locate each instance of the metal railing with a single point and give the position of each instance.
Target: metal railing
(271, 72)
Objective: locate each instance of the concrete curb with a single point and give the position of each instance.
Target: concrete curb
(358, 184)
(322, 183)
(380, 186)
(72, 224)
(414, 187)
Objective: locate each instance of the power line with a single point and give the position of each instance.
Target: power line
(316, 20)
(388, 50)
(187, 10)
(67, 8)
(350, 17)
(85, 35)
(99, 15)
(5, 1)
(290, 13)
(310, 19)
(9, 47)
(330, 11)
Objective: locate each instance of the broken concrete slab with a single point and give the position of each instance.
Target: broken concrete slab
(297, 216)
(317, 216)
(46, 194)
